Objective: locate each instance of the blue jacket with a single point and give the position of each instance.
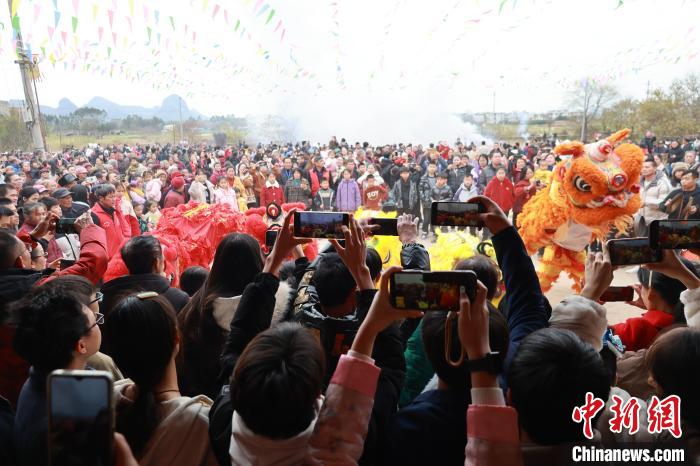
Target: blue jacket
(430, 430)
(31, 421)
(529, 310)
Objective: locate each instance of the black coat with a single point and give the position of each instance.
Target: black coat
(116, 289)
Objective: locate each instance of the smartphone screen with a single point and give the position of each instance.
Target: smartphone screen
(270, 238)
(320, 224)
(387, 226)
(66, 226)
(674, 234)
(618, 293)
(80, 418)
(456, 214)
(430, 291)
(632, 251)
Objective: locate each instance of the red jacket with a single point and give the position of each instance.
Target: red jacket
(173, 199)
(523, 192)
(501, 192)
(92, 264)
(112, 225)
(270, 194)
(315, 182)
(638, 332)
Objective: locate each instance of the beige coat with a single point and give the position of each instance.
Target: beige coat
(182, 435)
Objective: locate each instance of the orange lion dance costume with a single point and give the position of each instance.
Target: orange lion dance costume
(594, 190)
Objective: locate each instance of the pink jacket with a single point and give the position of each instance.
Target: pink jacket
(226, 196)
(339, 432)
(493, 435)
(153, 190)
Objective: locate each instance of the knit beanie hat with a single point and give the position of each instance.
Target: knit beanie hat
(584, 317)
(679, 166)
(178, 182)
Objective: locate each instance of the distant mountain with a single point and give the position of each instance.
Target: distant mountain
(169, 110)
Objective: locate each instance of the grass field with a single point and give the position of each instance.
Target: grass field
(57, 142)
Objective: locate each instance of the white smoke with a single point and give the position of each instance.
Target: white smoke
(379, 119)
(523, 118)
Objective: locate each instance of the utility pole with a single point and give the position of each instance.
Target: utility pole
(179, 99)
(31, 110)
(494, 105)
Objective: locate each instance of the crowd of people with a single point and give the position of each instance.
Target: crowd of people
(278, 359)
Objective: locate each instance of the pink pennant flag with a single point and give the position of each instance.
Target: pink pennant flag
(257, 5)
(100, 30)
(75, 6)
(282, 38)
(145, 12)
(128, 20)
(110, 13)
(51, 32)
(194, 36)
(64, 35)
(114, 38)
(37, 9)
(186, 27)
(279, 23)
(216, 10)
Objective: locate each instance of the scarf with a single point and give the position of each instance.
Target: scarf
(274, 184)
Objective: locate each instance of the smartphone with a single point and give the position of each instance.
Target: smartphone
(320, 224)
(674, 234)
(618, 293)
(65, 263)
(430, 291)
(456, 214)
(632, 251)
(270, 238)
(80, 418)
(66, 226)
(387, 226)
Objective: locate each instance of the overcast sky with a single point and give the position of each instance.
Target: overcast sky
(404, 58)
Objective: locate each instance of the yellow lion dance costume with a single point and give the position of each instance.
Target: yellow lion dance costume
(594, 190)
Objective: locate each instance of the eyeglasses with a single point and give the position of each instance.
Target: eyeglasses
(99, 320)
(98, 299)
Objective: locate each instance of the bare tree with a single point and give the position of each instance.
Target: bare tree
(590, 98)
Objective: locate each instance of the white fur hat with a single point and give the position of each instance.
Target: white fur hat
(584, 317)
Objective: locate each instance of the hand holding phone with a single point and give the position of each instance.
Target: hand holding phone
(309, 224)
(384, 226)
(431, 291)
(674, 234)
(456, 214)
(380, 315)
(617, 293)
(80, 418)
(632, 251)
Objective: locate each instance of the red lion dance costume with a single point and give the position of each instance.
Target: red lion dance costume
(190, 233)
(594, 190)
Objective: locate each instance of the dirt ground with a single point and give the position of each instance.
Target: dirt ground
(617, 312)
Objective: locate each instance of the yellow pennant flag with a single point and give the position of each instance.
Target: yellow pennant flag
(94, 11)
(14, 7)
(131, 8)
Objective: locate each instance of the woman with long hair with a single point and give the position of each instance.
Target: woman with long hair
(160, 425)
(205, 320)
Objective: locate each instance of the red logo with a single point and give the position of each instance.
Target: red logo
(587, 412)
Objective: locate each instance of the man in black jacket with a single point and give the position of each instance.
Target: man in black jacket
(143, 257)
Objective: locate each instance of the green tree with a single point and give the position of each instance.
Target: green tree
(14, 134)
